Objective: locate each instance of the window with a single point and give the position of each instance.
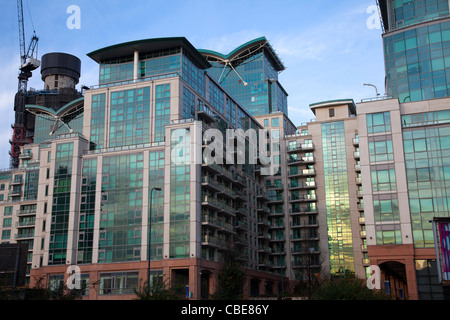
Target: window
(56, 282)
(331, 112)
(378, 122)
(383, 180)
(386, 210)
(7, 222)
(381, 151)
(6, 234)
(275, 122)
(118, 283)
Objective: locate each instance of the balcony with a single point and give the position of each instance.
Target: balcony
(227, 192)
(25, 235)
(301, 147)
(205, 113)
(211, 202)
(275, 187)
(24, 212)
(17, 181)
(210, 221)
(262, 195)
(26, 223)
(26, 155)
(15, 193)
(303, 185)
(211, 183)
(242, 225)
(303, 224)
(239, 180)
(301, 160)
(263, 209)
(212, 241)
(275, 199)
(304, 172)
(297, 211)
(302, 197)
(242, 211)
(304, 237)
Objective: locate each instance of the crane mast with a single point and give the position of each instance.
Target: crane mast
(28, 63)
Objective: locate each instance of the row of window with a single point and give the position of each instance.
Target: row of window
(114, 283)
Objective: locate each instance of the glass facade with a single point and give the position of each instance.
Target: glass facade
(115, 70)
(98, 107)
(337, 198)
(261, 94)
(427, 160)
(156, 179)
(45, 123)
(409, 12)
(160, 62)
(418, 59)
(121, 208)
(87, 211)
(180, 194)
(130, 117)
(61, 204)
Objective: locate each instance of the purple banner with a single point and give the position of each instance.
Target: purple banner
(444, 243)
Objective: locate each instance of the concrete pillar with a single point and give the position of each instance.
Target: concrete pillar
(136, 65)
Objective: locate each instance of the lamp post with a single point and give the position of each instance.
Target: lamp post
(150, 239)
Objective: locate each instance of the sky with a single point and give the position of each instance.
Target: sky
(330, 48)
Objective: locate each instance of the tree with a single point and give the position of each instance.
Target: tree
(159, 290)
(347, 287)
(231, 278)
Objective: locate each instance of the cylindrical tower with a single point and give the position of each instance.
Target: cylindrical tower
(60, 70)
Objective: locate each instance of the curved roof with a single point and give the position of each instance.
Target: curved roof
(246, 49)
(148, 45)
(72, 106)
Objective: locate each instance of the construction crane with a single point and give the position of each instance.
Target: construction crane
(28, 63)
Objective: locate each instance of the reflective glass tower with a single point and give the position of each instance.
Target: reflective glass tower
(416, 44)
(250, 75)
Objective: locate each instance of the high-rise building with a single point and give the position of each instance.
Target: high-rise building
(404, 164)
(416, 41)
(143, 168)
(403, 150)
(119, 177)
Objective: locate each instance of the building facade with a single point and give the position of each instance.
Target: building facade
(404, 162)
(416, 41)
(96, 178)
(146, 166)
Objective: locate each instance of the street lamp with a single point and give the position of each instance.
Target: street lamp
(150, 238)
